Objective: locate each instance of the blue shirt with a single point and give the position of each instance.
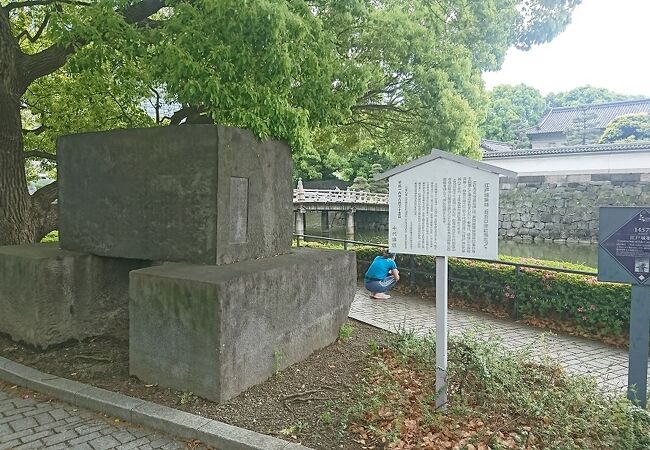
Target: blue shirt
(380, 268)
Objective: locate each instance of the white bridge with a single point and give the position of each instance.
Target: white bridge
(308, 198)
(334, 200)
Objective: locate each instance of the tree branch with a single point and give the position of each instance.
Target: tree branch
(43, 198)
(40, 130)
(39, 154)
(48, 220)
(39, 32)
(28, 3)
(52, 58)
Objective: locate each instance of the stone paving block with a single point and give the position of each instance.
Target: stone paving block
(123, 436)
(60, 437)
(9, 445)
(89, 428)
(38, 429)
(104, 443)
(84, 438)
(57, 446)
(83, 446)
(36, 436)
(29, 446)
(44, 418)
(15, 436)
(59, 414)
(133, 444)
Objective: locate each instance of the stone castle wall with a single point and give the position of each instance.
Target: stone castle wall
(564, 208)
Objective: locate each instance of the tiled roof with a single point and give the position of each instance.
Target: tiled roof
(489, 145)
(594, 148)
(557, 120)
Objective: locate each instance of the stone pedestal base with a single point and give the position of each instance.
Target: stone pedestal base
(49, 296)
(217, 330)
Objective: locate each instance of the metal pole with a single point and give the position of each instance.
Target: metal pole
(441, 332)
(637, 378)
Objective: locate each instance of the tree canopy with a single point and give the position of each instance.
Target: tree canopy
(627, 128)
(398, 76)
(586, 95)
(511, 109)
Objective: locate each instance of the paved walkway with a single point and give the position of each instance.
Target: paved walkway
(29, 423)
(607, 364)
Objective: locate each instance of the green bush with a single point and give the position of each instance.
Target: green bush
(52, 236)
(601, 309)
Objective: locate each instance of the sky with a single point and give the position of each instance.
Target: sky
(606, 45)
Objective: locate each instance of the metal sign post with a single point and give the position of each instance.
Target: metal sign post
(624, 257)
(444, 205)
(441, 331)
(637, 377)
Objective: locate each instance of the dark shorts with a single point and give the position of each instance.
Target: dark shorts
(384, 285)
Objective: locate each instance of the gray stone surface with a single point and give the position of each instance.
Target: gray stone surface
(39, 423)
(49, 295)
(565, 208)
(217, 330)
(192, 193)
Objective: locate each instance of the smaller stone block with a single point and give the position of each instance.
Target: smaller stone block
(49, 296)
(217, 330)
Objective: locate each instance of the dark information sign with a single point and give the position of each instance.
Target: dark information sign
(624, 245)
(624, 257)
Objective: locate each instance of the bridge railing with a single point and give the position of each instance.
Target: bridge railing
(338, 196)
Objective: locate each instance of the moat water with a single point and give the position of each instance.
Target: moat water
(573, 253)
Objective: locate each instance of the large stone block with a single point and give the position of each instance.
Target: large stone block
(193, 193)
(49, 296)
(217, 330)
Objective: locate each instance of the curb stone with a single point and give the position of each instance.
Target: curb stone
(141, 412)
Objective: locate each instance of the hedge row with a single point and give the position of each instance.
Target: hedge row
(576, 300)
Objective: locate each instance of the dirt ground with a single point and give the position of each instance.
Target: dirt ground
(299, 404)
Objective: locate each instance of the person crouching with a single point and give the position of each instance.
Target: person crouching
(382, 276)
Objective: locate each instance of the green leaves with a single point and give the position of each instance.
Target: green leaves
(393, 77)
(627, 128)
(512, 108)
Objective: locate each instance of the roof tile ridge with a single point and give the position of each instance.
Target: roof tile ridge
(601, 105)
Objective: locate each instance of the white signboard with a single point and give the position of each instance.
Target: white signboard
(444, 208)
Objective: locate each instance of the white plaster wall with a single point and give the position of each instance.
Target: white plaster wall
(583, 163)
(547, 140)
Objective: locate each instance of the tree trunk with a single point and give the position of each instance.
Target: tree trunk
(25, 218)
(16, 211)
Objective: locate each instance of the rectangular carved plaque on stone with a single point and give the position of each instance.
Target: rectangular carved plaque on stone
(238, 210)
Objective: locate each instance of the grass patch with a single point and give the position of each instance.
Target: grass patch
(345, 332)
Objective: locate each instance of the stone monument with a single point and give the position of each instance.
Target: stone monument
(228, 302)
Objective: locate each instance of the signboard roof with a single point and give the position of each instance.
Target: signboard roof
(436, 154)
